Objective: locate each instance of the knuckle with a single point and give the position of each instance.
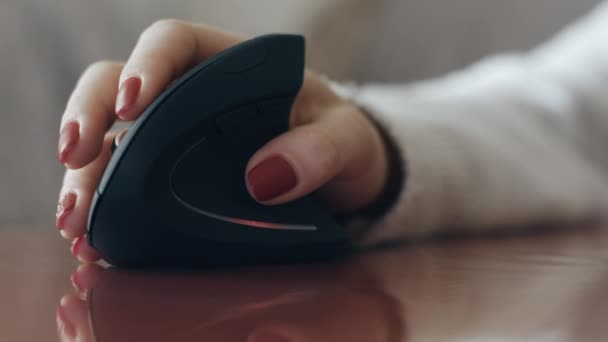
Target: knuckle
(95, 72)
(321, 140)
(164, 26)
(101, 66)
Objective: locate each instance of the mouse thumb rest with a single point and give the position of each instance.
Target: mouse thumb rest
(174, 192)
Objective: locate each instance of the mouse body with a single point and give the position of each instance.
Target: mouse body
(174, 191)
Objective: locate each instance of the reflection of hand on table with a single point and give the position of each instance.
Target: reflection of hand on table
(303, 303)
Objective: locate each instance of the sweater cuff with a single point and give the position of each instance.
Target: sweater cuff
(365, 223)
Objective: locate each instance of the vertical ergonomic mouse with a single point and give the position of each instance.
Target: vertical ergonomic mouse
(174, 193)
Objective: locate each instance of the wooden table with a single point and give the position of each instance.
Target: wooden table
(550, 286)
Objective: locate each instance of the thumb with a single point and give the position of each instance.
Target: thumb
(340, 152)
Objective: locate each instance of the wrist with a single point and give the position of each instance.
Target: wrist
(392, 184)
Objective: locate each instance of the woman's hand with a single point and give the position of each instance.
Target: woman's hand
(331, 145)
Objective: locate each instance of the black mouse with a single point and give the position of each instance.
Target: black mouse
(174, 192)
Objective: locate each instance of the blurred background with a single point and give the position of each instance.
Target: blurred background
(45, 44)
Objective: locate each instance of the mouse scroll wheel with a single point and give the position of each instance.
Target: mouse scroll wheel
(117, 139)
(113, 146)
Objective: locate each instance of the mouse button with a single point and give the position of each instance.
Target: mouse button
(91, 218)
(112, 164)
(243, 60)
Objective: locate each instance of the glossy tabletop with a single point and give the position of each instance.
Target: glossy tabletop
(542, 286)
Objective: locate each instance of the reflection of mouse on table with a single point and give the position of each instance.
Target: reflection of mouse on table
(180, 169)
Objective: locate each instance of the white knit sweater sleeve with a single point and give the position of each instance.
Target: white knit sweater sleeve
(514, 140)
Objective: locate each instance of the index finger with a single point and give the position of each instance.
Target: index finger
(165, 50)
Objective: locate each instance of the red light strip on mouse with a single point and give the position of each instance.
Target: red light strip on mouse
(246, 222)
(268, 225)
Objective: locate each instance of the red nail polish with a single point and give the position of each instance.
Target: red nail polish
(65, 206)
(68, 138)
(127, 95)
(271, 178)
(76, 246)
(267, 336)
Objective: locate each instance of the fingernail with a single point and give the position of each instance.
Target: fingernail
(68, 138)
(65, 206)
(76, 245)
(267, 336)
(271, 178)
(127, 95)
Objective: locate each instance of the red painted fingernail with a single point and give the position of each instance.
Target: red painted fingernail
(271, 178)
(267, 336)
(68, 138)
(127, 95)
(76, 245)
(65, 206)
